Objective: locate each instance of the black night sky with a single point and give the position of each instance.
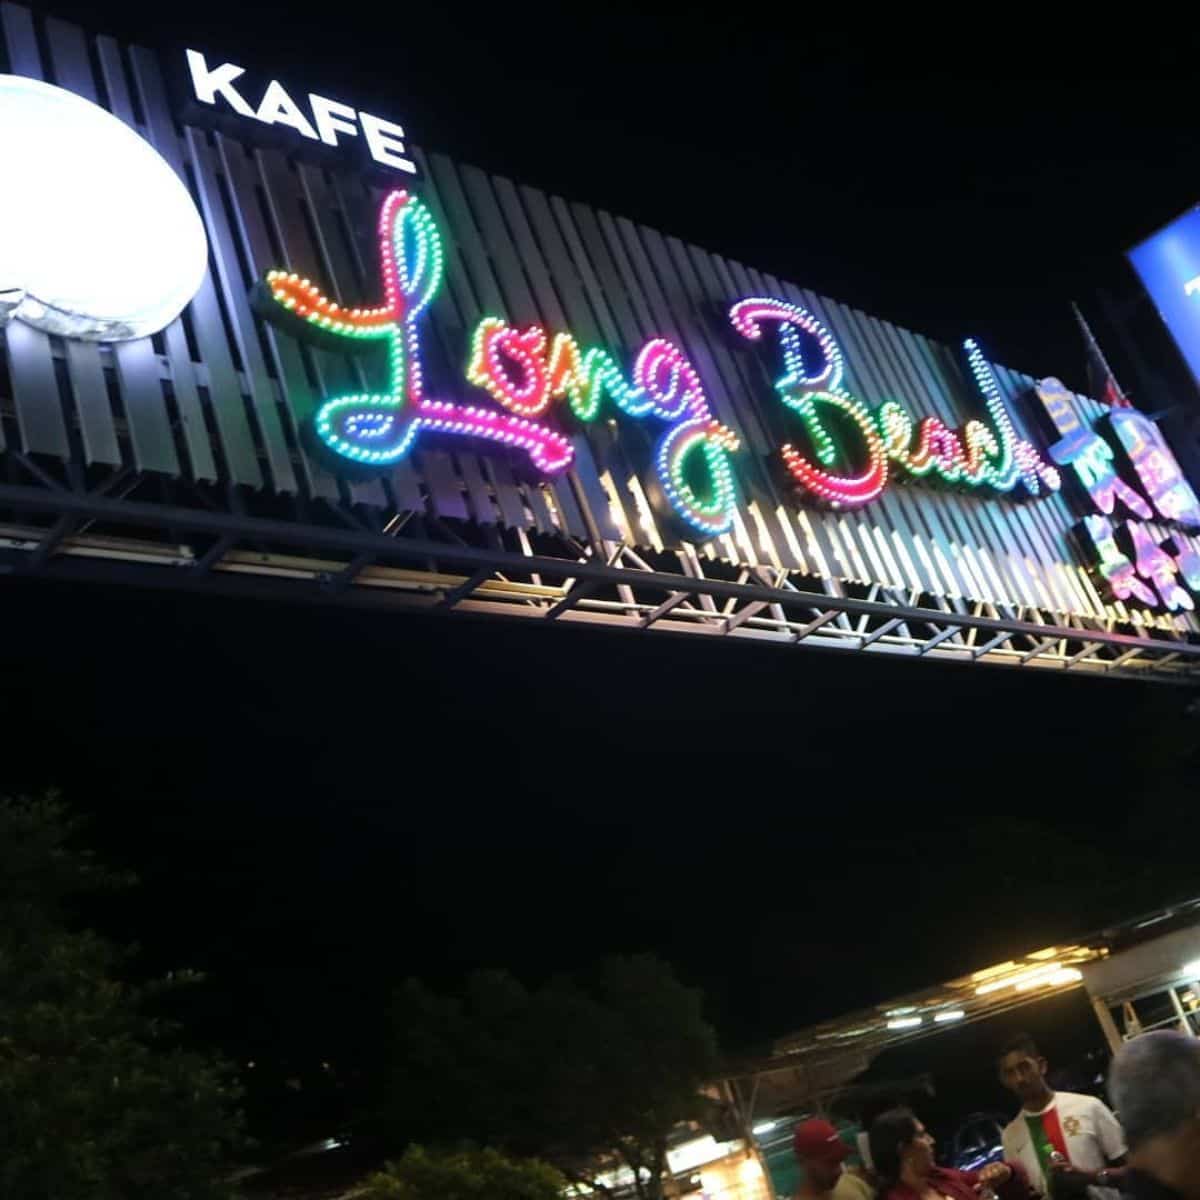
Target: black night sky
(321, 802)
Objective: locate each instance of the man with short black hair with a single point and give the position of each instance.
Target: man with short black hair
(1070, 1144)
(1155, 1084)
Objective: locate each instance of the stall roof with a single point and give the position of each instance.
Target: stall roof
(984, 993)
(818, 1062)
(1018, 981)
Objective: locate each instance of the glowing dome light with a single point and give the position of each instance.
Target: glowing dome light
(99, 238)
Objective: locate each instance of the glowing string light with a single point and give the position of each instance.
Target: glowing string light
(813, 368)
(850, 490)
(748, 317)
(806, 390)
(1016, 459)
(516, 369)
(379, 429)
(497, 350)
(711, 514)
(585, 379)
(674, 393)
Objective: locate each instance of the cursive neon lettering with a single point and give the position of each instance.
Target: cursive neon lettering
(978, 456)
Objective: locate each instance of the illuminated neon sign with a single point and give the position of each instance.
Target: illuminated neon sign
(975, 456)
(532, 381)
(519, 369)
(326, 121)
(380, 428)
(526, 371)
(1125, 554)
(1156, 467)
(691, 460)
(99, 238)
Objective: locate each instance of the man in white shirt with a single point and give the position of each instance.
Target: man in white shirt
(1070, 1145)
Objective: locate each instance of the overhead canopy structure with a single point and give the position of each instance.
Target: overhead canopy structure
(1151, 981)
(984, 993)
(814, 1064)
(1148, 955)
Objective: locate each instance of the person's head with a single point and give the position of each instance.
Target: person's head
(1023, 1069)
(900, 1145)
(820, 1152)
(1154, 1083)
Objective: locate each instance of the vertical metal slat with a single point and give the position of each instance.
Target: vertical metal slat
(297, 399)
(146, 416)
(234, 289)
(224, 389)
(97, 429)
(30, 363)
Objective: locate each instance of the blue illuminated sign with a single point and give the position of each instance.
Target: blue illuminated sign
(1169, 266)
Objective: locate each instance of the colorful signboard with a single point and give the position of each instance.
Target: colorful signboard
(500, 368)
(1128, 554)
(539, 384)
(524, 371)
(1169, 267)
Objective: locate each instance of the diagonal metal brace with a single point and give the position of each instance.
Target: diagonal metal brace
(61, 528)
(938, 638)
(815, 624)
(991, 644)
(671, 602)
(463, 590)
(213, 554)
(747, 611)
(337, 583)
(1042, 645)
(579, 592)
(876, 634)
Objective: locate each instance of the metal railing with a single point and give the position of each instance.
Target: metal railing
(100, 534)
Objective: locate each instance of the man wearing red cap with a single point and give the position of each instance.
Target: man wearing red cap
(821, 1152)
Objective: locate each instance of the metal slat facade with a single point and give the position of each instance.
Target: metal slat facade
(30, 361)
(152, 428)
(217, 410)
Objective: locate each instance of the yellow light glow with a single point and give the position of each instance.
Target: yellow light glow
(645, 514)
(1022, 980)
(992, 972)
(1066, 975)
(1050, 978)
(1042, 955)
(750, 1169)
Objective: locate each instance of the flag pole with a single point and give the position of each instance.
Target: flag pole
(1121, 400)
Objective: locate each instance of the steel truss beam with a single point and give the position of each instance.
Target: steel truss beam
(615, 587)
